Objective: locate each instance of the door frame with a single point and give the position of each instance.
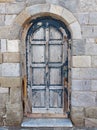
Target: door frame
(27, 107)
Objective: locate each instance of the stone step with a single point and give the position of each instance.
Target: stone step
(46, 122)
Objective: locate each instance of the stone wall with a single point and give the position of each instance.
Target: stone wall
(84, 59)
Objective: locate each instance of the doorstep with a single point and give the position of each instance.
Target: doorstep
(46, 122)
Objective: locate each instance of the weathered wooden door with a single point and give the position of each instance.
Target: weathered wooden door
(47, 63)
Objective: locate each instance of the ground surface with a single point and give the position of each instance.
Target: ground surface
(19, 128)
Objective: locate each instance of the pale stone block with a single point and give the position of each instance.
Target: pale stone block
(36, 9)
(75, 30)
(89, 31)
(91, 49)
(11, 69)
(94, 61)
(3, 99)
(94, 85)
(83, 99)
(22, 17)
(14, 8)
(4, 90)
(0, 58)
(78, 47)
(11, 57)
(84, 73)
(83, 18)
(77, 116)
(14, 113)
(81, 85)
(34, 2)
(81, 61)
(2, 8)
(68, 16)
(90, 122)
(13, 45)
(9, 19)
(1, 20)
(88, 6)
(93, 18)
(91, 112)
(15, 95)
(56, 9)
(10, 81)
(90, 40)
(3, 45)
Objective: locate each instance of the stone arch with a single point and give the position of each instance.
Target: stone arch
(55, 11)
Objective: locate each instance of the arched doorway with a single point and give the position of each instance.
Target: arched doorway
(47, 62)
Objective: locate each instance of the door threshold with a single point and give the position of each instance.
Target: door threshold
(46, 115)
(46, 122)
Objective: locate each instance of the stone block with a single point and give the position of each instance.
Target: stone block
(90, 122)
(84, 73)
(56, 9)
(83, 99)
(91, 112)
(77, 116)
(34, 2)
(4, 32)
(78, 47)
(83, 18)
(71, 5)
(67, 15)
(11, 57)
(90, 40)
(94, 85)
(15, 95)
(0, 58)
(10, 81)
(14, 8)
(93, 18)
(13, 45)
(81, 85)
(94, 61)
(89, 31)
(88, 6)
(3, 99)
(76, 30)
(11, 69)
(1, 20)
(14, 113)
(9, 19)
(36, 9)
(81, 61)
(22, 17)
(91, 49)
(3, 45)
(2, 8)
(4, 90)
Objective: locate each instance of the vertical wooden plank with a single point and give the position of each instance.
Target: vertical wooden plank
(47, 69)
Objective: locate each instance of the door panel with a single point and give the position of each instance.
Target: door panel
(38, 53)
(56, 98)
(38, 97)
(38, 76)
(39, 34)
(55, 76)
(55, 52)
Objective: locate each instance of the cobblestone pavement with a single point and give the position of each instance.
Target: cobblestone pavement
(19, 128)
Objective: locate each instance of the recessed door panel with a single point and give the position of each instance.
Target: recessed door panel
(38, 53)
(38, 76)
(55, 76)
